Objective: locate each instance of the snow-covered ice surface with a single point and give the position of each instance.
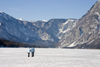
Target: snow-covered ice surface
(17, 57)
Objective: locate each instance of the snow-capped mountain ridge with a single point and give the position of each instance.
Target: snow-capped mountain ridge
(30, 32)
(84, 32)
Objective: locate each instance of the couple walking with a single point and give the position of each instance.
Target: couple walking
(32, 50)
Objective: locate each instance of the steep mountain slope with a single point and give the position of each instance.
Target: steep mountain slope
(39, 32)
(16, 30)
(86, 31)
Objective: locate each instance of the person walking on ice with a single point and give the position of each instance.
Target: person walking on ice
(32, 51)
(29, 50)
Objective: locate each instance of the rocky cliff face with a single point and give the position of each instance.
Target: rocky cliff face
(86, 31)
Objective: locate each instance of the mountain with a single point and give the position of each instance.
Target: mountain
(67, 33)
(39, 32)
(86, 33)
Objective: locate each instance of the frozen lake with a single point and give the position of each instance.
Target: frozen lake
(17, 57)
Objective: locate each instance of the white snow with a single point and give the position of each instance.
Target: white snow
(97, 13)
(89, 33)
(66, 30)
(72, 45)
(17, 57)
(91, 41)
(63, 42)
(61, 31)
(69, 20)
(74, 24)
(66, 22)
(20, 19)
(44, 20)
(64, 25)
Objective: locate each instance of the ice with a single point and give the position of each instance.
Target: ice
(49, 57)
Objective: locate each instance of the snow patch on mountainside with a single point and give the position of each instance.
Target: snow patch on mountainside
(20, 19)
(72, 44)
(44, 20)
(97, 13)
(61, 31)
(69, 20)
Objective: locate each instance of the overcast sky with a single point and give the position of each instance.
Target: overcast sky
(33, 10)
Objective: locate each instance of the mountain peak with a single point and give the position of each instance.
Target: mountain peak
(86, 31)
(6, 16)
(2, 12)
